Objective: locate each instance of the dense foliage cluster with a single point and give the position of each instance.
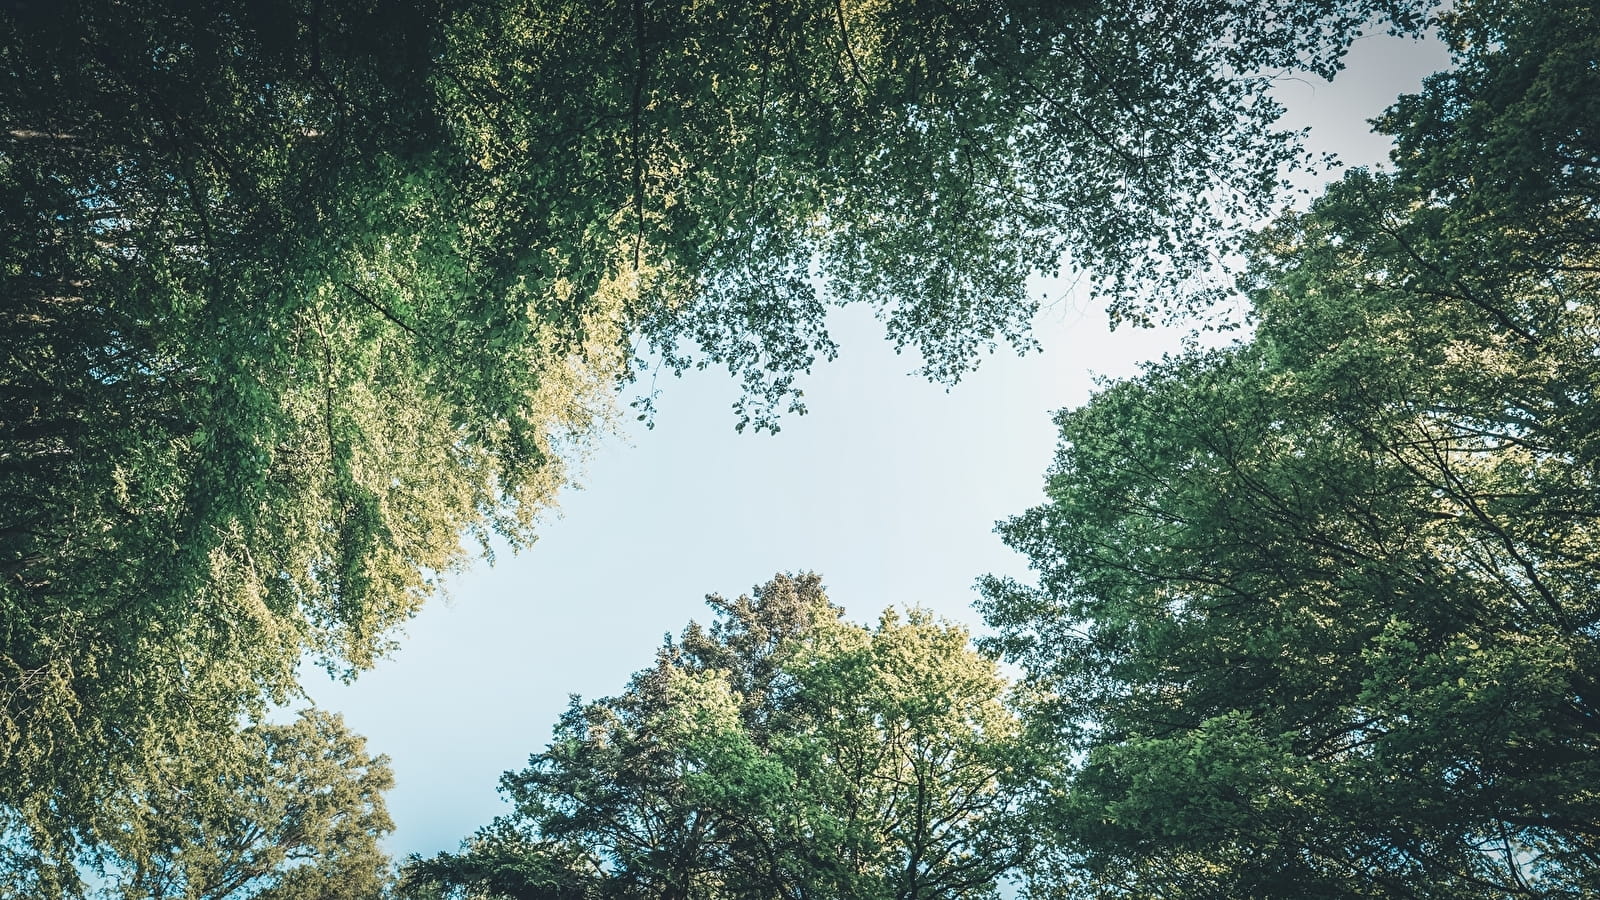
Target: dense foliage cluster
(1320, 610)
(784, 752)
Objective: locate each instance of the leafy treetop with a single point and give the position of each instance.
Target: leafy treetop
(782, 753)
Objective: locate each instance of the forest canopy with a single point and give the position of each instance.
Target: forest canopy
(296, 295)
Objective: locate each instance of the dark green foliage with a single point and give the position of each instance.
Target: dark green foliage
(1320, 609)
(500, 864)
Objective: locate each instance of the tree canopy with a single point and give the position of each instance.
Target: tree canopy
(1318, 611)
(296, 295)
(783, 752)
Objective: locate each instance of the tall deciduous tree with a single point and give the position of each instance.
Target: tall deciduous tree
(296, 294)
(1320, 610)
(782, 753)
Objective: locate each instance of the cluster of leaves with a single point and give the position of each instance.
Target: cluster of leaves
(1320, 612)
(271, 812)
(783, 752)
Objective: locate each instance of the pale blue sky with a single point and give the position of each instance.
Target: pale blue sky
(889, 488)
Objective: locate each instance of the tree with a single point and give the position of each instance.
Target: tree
(294, 296)
(1318, 610)
(782, 753)
(271, 812)
(498, 863)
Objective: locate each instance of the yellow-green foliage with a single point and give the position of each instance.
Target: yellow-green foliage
(782, 752)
